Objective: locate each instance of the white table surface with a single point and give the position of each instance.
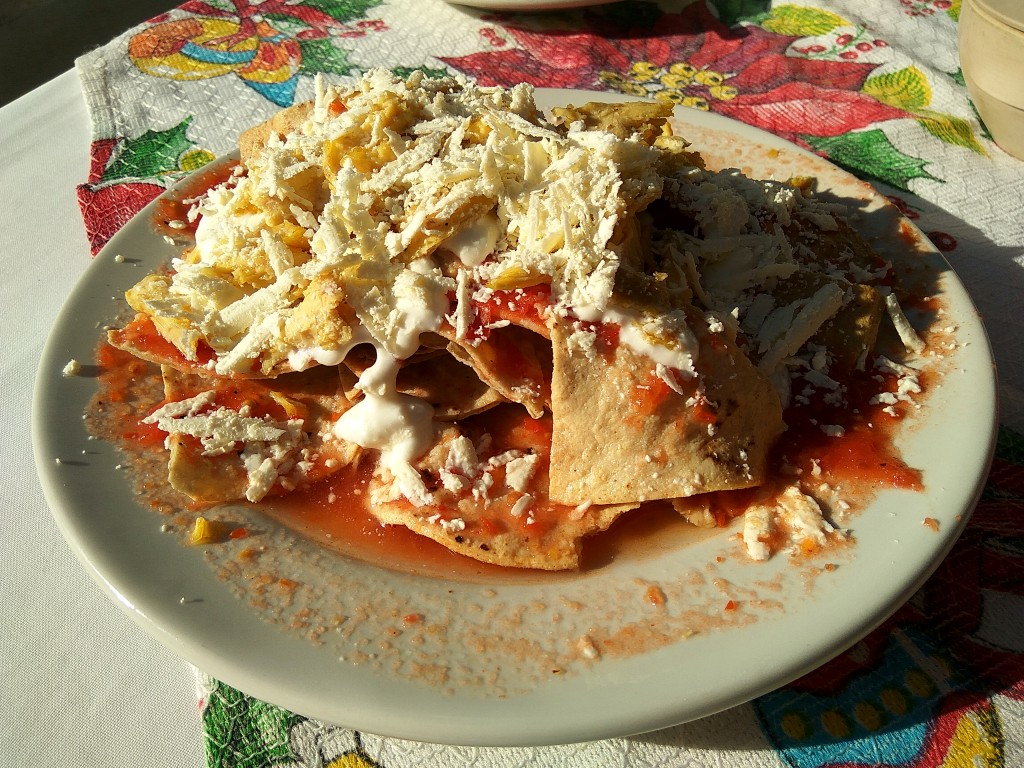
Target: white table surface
(81, 684)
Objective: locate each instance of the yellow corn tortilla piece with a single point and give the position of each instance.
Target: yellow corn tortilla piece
(612, 445)
(450, 386)
(320, 317)
(850, 333)
(556, 548)
(138, 335)
(488, 527)
(205, 479)
(644, 118)
(513, 361)
(434, 231)
(316, 396)
(288, 120)
(841, 249)
(179, 331)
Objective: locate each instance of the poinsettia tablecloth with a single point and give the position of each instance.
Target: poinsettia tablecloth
(874, 85)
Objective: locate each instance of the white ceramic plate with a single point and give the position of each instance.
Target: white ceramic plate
(508, 661)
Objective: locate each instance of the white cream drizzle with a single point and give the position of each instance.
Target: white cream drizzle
(400, 426)
(476, 242)
(635, 332)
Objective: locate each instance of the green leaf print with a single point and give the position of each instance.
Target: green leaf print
(798, 21)
(870, 154)
(150, 155)
(243, 732)
(324, 56)
(343, 10)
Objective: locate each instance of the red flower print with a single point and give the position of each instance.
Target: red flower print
(944, 242)
(108, 207)
(691, 58)
(904, 207)
(795, 108)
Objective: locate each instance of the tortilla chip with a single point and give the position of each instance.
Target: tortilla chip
(435, 231)
(286, 121)
(852, 332)
(206, 479)
(481, 509)
(696, 510)
(451, 387)
(142, 338)
(644, 118)
(849, 333)
(316, 397)
(514, 362)
(622, 434)
(832, 250)
(179, 331)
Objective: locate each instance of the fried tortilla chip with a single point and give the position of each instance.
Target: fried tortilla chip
(623, 433)
(234, 440)
(851, 331)
(286, 121)
(436, 230)
(450, 386)
(644, 118)
(514, 362)
(490, 502)
(142, 338)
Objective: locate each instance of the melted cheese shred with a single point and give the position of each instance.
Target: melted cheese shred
(328, 241)
(407, 166)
